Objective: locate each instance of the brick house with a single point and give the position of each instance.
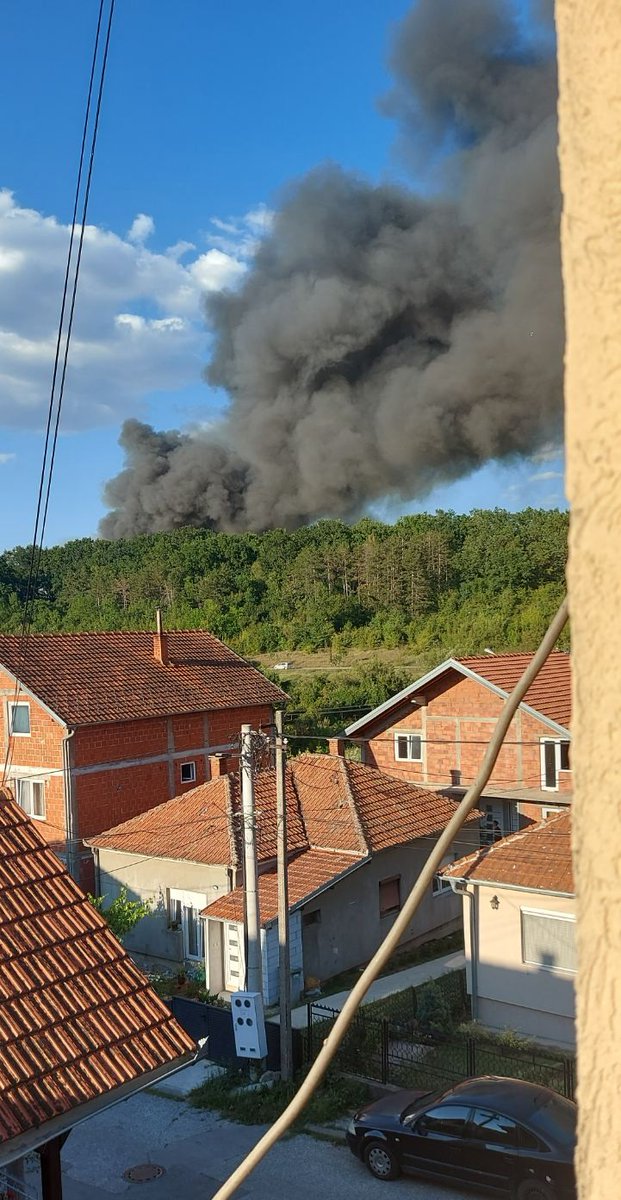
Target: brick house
(81, 1028)
(107, 725)
(435, 733)
(520, 931)
(357, 840)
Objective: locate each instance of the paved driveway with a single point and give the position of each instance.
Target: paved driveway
(198, 1150)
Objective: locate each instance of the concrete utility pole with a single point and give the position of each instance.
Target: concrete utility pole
(254, 974)
(284, 961)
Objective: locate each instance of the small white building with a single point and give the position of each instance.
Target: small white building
(520, 931)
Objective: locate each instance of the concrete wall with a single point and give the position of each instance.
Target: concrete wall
(150, 879)
(350, 927)
(589, 38)
(538, 1002)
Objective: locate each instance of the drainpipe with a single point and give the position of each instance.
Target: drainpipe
(460, 887)
(70, 814)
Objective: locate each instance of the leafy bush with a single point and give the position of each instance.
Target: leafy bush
(261, 1106)
(121, 914)
(433, 1012)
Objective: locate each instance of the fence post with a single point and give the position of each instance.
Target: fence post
(568, 1078)
(309, 1031)
(471, 1057)
(385, 1043)
(414, 1004)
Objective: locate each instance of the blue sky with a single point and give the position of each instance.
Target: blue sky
(210, 109)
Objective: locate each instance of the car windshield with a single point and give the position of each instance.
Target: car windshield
(555, 1119)
(427, 1098)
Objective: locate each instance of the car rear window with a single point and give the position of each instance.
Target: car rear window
(555, 1119)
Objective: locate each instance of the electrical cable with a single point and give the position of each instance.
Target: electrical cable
(380, 958)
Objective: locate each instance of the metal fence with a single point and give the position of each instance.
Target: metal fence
(393, 1049)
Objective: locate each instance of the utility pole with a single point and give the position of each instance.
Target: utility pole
(254, 974)
(284, 962)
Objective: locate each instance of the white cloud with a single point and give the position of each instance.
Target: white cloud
(541, 476)
(139, 325)
(5, 458)
(142, 228)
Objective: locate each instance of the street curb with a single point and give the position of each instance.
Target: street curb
(328, 1133)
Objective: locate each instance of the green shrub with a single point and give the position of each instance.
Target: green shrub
(433, 1012)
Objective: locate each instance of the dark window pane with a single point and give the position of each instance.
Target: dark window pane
(549, 760)
(565, 756)
(492, 1127)
(448, 1119)
(402, 747)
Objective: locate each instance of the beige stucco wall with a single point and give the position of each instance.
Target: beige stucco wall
(536, 1002)
(150, 879)
(590, 153)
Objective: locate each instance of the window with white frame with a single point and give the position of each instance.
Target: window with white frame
(19, 718)
(184, 909)
(550, 811)
(439, 883)
(408, 747)
(554, 759)
(188, 772)
(30, 795)
(549, 940)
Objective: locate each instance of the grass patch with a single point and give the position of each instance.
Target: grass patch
(332, 1099)
(400, 961)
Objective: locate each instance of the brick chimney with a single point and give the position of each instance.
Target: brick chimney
(217, 765)
(160, 641)
(336, 745)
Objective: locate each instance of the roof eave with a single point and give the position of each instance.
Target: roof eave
(26, 691)
(32, 1139)
(513, 886)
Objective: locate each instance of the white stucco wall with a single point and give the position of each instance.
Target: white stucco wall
(536, 1001)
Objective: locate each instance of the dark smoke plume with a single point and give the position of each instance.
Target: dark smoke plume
(385, 341)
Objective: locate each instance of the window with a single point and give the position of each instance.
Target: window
(30, 795)
(312, 918)
(550, 810)
(554, 758)
(439, 884)
(19, 718)
(188, 772)
(389, 896)
(408, 747)
(448, 1120)
(492, 1127)
(184, 909)
(549, 940)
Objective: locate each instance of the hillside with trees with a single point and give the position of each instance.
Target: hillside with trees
(442, 582)
(433, 585)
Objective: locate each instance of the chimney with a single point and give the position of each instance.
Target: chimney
(160, 641)
(217, 765)
(336, 745)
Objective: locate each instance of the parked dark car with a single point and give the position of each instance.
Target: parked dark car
(511, 1137)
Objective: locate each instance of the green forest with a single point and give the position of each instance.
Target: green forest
(443, 583)
(429, 586)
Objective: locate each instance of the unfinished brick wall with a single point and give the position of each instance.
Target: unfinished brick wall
(455, 726)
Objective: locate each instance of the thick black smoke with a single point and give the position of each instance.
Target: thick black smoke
(385, 341)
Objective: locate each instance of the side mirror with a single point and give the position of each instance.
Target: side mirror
(421, 1127)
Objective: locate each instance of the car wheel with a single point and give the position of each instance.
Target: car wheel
(381, 1161)
(535, 1189)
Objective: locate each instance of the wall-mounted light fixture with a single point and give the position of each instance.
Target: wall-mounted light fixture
(495, 902)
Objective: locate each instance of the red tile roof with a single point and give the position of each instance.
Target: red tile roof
(87, 678)
(536, 857)
(77, 1017)
(307, 874)
(550, 694)
(332, 804)
(204, 825)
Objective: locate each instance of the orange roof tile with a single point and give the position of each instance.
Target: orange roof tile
(536, 857)
(393, 811)
(332, 804)
(77, 1017)
(87, 678)
(550, 694)
(307, 874)
(204, 824)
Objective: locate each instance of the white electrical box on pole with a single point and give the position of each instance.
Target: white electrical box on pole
(254, 974)
(284, 960)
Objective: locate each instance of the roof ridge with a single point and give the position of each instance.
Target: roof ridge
(365, 848)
